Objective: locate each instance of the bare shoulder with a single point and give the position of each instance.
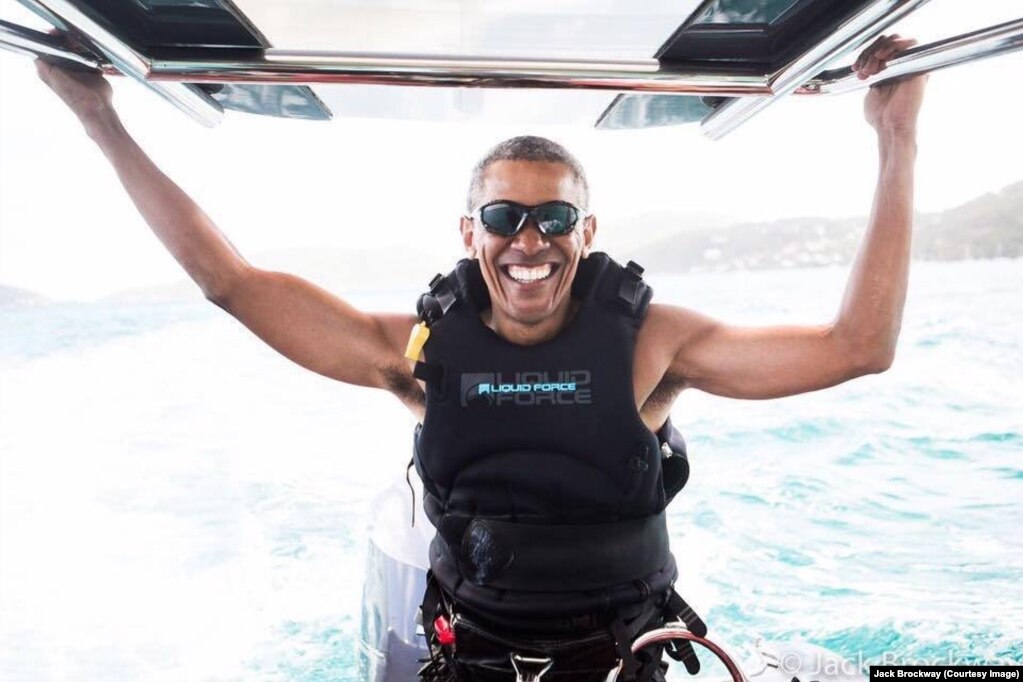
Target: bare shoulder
(396, 328)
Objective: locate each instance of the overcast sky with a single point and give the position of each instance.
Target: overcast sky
(68, 231)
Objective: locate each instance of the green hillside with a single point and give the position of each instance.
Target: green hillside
(990, 226)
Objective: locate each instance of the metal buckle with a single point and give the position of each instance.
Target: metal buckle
(530, 669)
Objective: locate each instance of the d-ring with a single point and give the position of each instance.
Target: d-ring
(530, 669)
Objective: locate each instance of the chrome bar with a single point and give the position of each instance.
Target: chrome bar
(37, 44)
(293, 67)
(174, 79)
(187, 98)
(678, 631)
(856, 31)
(987, 42)
(309, 68)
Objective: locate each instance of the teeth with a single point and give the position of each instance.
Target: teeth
(530, 274)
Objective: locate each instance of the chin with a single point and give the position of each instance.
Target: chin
(532, 320)
(531, 314)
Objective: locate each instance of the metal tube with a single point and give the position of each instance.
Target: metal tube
(987, 42)
(307, 68)
(678, 631)
(36, 44)
(858, 29)
(174, 79)
(292, 67)
(185, 97)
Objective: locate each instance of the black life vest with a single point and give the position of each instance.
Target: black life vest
(546, 488)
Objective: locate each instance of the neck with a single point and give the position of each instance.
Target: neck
(529, 334)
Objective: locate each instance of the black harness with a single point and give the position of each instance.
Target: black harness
(539, 473)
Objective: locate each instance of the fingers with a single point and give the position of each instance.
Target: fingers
(896, 46)
(863, 56)
(875, 58)
(57, 72)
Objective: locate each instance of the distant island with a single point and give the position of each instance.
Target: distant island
(13, 297)
(990, 226)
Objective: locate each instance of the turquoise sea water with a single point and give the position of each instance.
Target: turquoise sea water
(179, 502)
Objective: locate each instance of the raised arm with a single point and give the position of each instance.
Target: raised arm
(768, 362)
(305, 323)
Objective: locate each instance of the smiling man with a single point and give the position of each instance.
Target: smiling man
(542, 378)
(529, 273)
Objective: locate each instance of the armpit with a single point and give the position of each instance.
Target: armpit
(665, 392)
(401, 383)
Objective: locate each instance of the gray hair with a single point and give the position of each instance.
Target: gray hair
(527, 148)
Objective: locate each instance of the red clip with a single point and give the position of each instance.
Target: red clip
(445, 635)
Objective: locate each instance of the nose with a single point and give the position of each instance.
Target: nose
(530, 241)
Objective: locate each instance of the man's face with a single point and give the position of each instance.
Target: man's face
(530, 275)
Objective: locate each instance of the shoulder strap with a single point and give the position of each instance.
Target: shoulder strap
(471, 286)
(633, 290)
(464, 283)
(602, 280)
(463, 286)
(432, 305)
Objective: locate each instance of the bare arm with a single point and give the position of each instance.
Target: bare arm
(769, 362)
(305, 323)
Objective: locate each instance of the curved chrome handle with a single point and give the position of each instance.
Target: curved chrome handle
(679, 631)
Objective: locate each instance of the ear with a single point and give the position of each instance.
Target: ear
(589, 232)
(466, 225)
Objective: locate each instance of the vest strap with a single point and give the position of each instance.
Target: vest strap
(674, 460)
(545, 558)
(681, 650)
(433, 305)
(631, 288)
(430, 372)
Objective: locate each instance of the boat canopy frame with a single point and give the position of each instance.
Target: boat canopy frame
(189, 78)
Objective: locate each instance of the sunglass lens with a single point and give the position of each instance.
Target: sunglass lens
(555, 219)
(502, 218)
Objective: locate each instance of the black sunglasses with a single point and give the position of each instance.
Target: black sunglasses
(507, 218)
